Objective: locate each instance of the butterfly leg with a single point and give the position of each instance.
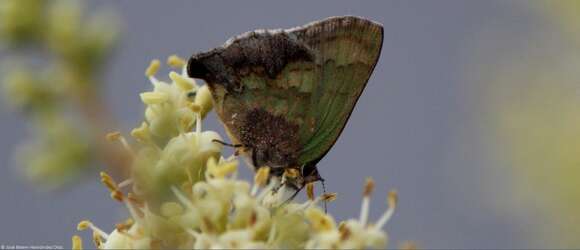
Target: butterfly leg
(294, 196)
(311, 174)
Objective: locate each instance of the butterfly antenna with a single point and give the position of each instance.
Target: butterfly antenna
(227, 144)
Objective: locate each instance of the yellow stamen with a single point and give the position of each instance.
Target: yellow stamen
(329, 197)
(291, 173)
(97, 240)
(117, 195)
(122, 227)
(153, 68)
(262, 176)
(222, 170)
(392, 198)
(181, 82)
(310, 191)
(83, 225)
(86, 224)
(175, 61)
(108, 182)
(77, 242)
(364, 211)
(369, 187)
(227, 168)
(129, 222)
(154, 97)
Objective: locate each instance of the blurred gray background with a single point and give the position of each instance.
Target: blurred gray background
(416, 127)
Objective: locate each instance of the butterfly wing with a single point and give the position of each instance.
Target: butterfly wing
(291, 90)
(347, 50)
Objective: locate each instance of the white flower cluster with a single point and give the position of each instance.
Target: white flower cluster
(184, 194)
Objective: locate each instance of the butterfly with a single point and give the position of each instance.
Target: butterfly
(285, 95)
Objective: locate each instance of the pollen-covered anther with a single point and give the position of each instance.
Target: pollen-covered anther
(108, 181)
(181, 82)
(369, 187)
(221, 170)
(310, 191)
(364, 211)
(83, 225)
(228, 168)
(117, 195)
(153, 68)
(329, 197)
(260, 180)
(86, 224)
(77, 242)
(129, 222)
(154, 97)
(261, 177)
(392, 200)
(176, 61)
(122, 227)
(291, 173)
(97, 240)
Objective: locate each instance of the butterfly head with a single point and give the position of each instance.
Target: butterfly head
(196, 67)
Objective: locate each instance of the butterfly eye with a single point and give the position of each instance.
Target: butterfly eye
(196, 68)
